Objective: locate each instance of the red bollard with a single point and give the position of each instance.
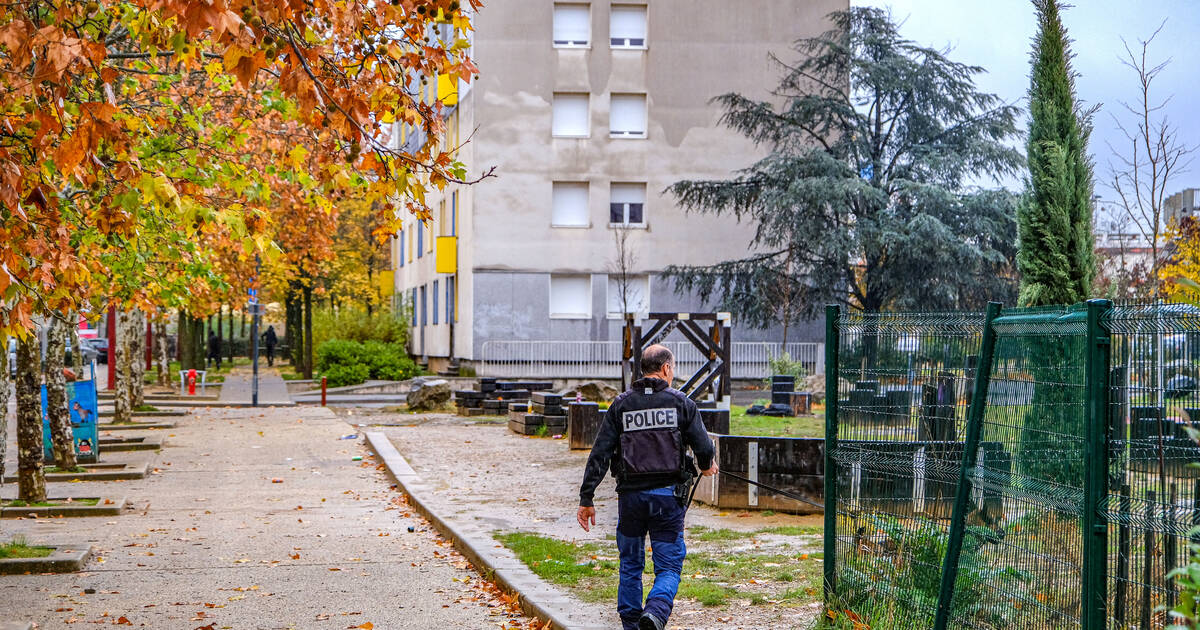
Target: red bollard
(191, 381)
(322, 391)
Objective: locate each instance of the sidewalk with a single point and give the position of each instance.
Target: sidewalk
(213, 541)
(272, 389)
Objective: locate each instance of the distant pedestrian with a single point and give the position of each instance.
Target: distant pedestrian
(270, 339)
(214, 348)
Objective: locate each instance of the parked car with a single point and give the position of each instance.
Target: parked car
(89, 351)
(100, 345)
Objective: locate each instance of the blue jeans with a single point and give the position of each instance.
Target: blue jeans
(657, 513)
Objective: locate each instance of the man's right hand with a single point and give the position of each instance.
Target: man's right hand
(586, 517)
(712, 470)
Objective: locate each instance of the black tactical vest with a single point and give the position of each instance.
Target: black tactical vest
(651, 440)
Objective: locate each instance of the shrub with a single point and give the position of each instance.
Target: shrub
(343, 375)
(785, 365)
(351, 362)
(352, 324)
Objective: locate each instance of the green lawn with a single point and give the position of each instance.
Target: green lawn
(590, 570)
(19, 549)
(768, 426)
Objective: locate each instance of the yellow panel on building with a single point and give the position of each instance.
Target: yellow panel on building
(447, 86)
(386, 283)
(447, 254)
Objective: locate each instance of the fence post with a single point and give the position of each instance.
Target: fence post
(832, 337)
(958, 518)
(1095, 481)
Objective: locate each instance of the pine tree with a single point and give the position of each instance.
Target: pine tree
(1056, 256)
(864, 197)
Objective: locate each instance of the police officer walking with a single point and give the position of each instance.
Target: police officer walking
(645, 436)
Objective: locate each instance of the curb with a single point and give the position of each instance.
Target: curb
(135, 426)
(535, 596)
(98, 472)
(61, 560)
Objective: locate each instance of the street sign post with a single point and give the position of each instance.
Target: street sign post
(256, 311)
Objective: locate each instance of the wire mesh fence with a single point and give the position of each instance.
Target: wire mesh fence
(1081, 493)
(903, 384)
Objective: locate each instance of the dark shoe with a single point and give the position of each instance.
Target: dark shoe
(649, 622)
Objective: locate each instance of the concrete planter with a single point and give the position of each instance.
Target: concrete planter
(105, 506)
(61, 560)
(98, 472)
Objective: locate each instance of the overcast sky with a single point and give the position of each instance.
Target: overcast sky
(995, 34)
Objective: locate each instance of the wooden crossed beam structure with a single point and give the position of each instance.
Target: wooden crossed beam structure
(713, 377)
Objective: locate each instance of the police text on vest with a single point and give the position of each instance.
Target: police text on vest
(650, 419)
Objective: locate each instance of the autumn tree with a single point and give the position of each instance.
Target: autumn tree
(126, 123)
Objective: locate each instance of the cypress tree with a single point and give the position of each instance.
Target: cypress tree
(1054, 222)
(1055, 255)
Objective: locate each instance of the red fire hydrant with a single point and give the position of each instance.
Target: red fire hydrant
(191, 381)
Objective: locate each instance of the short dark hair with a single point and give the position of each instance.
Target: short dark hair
(655, 357)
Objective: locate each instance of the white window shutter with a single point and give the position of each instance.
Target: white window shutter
(570, 204)
(571, 296)
(627, 27)
(570, 115)
(572, 24)
(627, 117)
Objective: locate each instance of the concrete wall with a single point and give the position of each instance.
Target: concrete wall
(696, 50)
(516, 306)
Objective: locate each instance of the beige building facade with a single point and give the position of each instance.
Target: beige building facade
(588, 111)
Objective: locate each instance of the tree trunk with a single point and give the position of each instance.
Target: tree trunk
(229, 322)
(293, 328)
(137, 340)
(61, 436)
(4, 385)
(122, 399)
(164, 363)
(72, 327)
(31, 475)
(308, 340)
(243, 332)
(183, 341)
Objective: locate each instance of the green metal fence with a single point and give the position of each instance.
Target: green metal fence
(1050, 489)
(898, 399)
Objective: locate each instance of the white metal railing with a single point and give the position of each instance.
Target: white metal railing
(602, 359)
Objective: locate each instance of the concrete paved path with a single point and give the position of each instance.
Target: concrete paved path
(238, 386)
(214, 542)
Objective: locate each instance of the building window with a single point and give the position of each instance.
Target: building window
(454, 213)
(424, 304)
(635, 298)
(570, 296)
(627, 204)
(414, 306)
(443, 219)
(627, 118)
(627, 26)
(569, 204)
(570, 119)
(435, 302)
(429, 226)
(410, 245)
(450, 299)
(420, 239)
(572, 25)
(401, 239)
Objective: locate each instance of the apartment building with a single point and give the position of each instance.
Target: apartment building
(588, 111)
